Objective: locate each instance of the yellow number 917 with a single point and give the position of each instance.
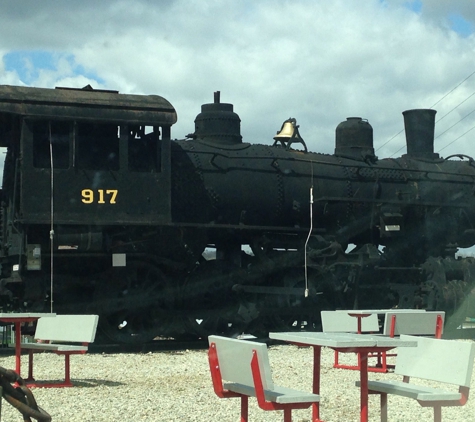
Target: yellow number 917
(101, 196)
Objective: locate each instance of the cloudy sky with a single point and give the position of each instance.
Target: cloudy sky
(318, 61)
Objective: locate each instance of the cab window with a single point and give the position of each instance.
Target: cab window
(51, 137)
(97, 146)
(143, 149)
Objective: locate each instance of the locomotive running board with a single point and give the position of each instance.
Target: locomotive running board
(296, 291)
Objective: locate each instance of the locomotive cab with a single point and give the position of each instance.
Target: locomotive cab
(81, 165)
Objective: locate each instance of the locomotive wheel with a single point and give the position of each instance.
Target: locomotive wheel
(294, 312)
(134, 304)
(211, 307)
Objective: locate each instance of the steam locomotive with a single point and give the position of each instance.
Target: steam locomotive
(102, 212)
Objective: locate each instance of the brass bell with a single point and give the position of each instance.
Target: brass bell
(288, 134)
(287, 131)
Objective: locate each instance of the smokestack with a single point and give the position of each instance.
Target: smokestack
(420, 125)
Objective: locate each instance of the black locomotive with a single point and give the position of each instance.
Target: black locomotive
(102, 212)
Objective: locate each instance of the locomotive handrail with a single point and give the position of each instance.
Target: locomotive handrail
(358, 167)
(388, 201)
(461, 156)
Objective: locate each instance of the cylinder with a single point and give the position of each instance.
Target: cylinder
(81, 241)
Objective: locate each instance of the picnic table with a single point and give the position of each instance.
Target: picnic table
(396, 322)
(362, 344)
(17, 319)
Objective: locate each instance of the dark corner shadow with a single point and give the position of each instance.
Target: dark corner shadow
(96, 383)
(86, 383)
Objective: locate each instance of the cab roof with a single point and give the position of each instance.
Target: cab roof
(86, 104)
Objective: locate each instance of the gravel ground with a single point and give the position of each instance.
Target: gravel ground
(176, 386)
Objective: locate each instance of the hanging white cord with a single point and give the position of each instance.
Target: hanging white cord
(51, 233)
(309, 233)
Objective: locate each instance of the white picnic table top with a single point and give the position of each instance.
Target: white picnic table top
(341, 340)
(377, 311)
(26, 314)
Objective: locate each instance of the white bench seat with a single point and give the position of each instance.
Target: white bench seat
(241, 368)
(446, 362)
(54, 347)
(277, 395)
(416, 392)
(64, 335)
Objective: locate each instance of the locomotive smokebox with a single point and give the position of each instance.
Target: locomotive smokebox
(217, 123)
(354, 139)
(420, 126)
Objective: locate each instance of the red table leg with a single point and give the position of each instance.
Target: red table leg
(317, 351)
(359, 323)
(17, 347)
(363, 358)
(358, 317)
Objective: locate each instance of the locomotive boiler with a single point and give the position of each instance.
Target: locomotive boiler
(103, 212)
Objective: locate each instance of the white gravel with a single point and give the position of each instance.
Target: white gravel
(176, 386)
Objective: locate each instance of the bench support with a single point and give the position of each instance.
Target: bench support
(384, 408)
(218, 383)
(67, 377)
(436, 405)
(260, 395)
(384, 404)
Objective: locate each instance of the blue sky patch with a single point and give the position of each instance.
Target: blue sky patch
(460, 25)
(415, 5)
(29, 63)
